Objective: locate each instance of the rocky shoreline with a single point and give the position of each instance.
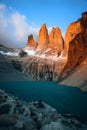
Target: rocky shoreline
(16, 114)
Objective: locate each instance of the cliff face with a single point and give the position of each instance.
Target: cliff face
(76, 43)
(42, 69)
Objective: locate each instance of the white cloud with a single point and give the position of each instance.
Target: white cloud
(20, 26)
(2, 7)
(13, 28)
(3, 19)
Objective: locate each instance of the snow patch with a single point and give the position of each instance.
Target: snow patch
(61, 57)
(9, 53)
(41, 56)
(30, 52)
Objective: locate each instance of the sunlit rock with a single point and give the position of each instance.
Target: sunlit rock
(56, 40)
(76, 42)
(31, 44)
(43, 38)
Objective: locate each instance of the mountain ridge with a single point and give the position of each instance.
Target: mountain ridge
(54, 58)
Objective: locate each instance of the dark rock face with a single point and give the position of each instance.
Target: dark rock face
(39, 69)
(31, 42)
(22, 53)
(8, 120)
(17, 65)
(42, 69)
(4, 108)
(76, 42)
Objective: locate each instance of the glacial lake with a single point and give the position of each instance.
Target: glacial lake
(66, 100)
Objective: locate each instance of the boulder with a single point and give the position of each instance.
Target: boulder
(22, 53)
(8, 119)
(4, 108)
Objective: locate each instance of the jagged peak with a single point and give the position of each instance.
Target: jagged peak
(43, 25)
(31, 42)
(43, 37)
(84, 15)
(56, 39)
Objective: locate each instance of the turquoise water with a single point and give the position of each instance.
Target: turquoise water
(67, 100)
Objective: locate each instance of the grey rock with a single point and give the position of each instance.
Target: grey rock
(4, 108)
(8, 119)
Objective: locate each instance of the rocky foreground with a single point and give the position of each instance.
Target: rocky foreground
(20, 115)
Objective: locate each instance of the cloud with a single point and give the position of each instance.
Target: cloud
(14, 29)
(22, 28)
(2, 7)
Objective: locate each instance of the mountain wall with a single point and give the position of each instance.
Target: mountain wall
(76, 42)
(69, 51)
(53, 57)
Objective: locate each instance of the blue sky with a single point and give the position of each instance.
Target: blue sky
(23, 17)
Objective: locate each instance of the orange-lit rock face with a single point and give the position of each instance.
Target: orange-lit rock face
(73, 30)
(76, 43)
(31, 42)
(43, 38)
(56, 40)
